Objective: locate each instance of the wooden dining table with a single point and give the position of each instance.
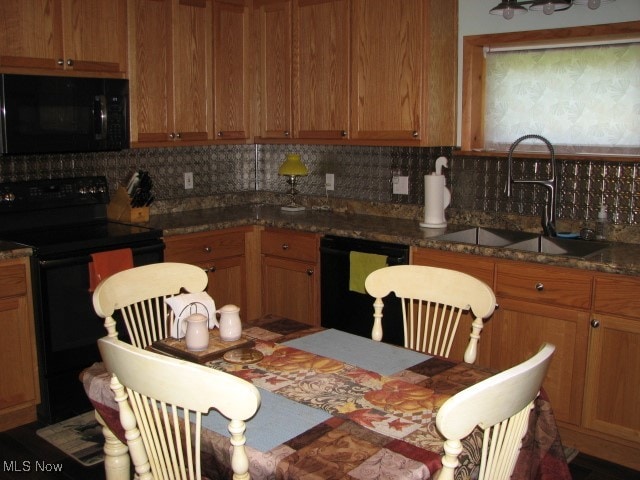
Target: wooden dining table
(338, 406)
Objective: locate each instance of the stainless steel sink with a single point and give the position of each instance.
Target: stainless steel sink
(530, 242)
(561, 246)
(488, 237)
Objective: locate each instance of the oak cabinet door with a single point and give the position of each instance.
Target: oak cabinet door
(231, 70)
(290, 289)
(321, 77)
(388, 45)
(274, 66)
(170, 71)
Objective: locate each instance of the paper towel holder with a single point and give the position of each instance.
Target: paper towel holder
(437, 197)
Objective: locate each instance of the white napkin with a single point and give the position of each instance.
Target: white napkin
(185, 304)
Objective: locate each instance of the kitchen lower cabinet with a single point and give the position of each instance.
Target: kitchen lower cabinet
(290, 275)
(52, 36)
(222, 255)
(612, 393)
(19, 387)
(592, 319)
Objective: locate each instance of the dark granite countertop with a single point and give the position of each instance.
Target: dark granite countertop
(620, 258)
(9, 250)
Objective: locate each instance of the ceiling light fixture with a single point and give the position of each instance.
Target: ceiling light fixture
(509, 8)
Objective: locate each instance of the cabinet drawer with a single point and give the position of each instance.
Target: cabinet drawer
(547, 285)
(618, 295)
(292, 245)
(476, 266)
(202, 247)
(13, 280)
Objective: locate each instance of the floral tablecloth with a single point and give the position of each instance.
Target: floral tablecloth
(381, 426)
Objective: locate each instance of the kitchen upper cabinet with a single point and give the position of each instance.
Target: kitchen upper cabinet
(321, 46)
(403, 71)
(170, 71)
(19, 389)
(273, 99)
(81, 36)
(231, 57)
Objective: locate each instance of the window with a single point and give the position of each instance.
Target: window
(584, 98)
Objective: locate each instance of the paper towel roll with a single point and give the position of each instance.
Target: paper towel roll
(436, 199)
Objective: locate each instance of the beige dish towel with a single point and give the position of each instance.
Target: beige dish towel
(361, 265)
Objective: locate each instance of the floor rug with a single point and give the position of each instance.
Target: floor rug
(79, 437)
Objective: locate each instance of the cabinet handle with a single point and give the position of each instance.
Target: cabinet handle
(343, 133)
(539, 286)
(414, 134)
(172, 135)
(309, 271)
(60, 62)
(286, 133)
(285, 246)
(207, 249)
(210, 269)
(70, 62)
(595, 323)
(220, 133)
(178, 135)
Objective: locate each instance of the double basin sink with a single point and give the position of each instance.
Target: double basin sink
(530, 242)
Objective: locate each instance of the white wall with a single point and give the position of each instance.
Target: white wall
(474, 19)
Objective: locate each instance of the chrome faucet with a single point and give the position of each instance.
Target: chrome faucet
(548, 219)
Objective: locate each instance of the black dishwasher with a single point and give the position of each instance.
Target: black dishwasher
(352, 311)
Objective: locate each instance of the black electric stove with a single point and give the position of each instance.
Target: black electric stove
(64, 221)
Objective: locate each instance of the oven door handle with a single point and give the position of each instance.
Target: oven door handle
(86, 259)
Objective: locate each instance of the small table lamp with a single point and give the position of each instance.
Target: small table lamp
(293, 168)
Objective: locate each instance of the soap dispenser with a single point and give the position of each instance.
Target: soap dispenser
(602, 223)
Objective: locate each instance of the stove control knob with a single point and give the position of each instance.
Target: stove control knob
(8, 197)
(83, 190)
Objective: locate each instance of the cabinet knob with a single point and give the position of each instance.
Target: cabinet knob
(178, 135)
(60, 62)
(286, 133)
(70, 62)
(207, 249)
(172, 135)
(595, 323)
(415, 134)
(343, 133)
(219, 133)
(309, 271)
(539, 286)
(285, 246)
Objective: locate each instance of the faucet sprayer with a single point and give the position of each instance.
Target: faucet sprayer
(548, 219)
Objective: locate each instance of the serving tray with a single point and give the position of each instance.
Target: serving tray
(217, 347)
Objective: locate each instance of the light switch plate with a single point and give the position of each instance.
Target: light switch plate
(400, 185)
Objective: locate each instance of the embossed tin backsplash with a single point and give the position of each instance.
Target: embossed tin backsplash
(361, 173)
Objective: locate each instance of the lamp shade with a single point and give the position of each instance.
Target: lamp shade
(293, 166)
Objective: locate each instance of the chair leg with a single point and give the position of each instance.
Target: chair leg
(117, 464)
(239, 459)
(452, 448)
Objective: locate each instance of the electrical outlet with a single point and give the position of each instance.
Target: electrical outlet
(329, 183)
(400, 185)
(188, 180)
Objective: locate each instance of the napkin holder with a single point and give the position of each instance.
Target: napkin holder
(119, 209)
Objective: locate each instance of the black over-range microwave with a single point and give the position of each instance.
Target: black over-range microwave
(46, 114)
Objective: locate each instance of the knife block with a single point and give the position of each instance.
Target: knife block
(120, 209)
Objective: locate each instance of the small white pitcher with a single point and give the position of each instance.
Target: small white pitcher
(197, 331)
(230, 324)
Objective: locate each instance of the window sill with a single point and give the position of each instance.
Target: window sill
(559, 156)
